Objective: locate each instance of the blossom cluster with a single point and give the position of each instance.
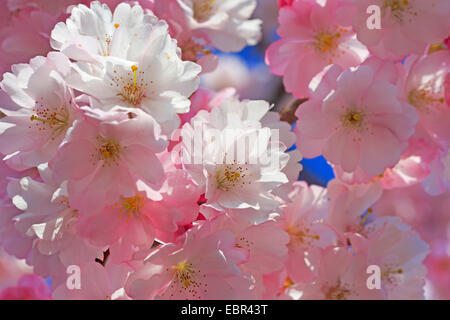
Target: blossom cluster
(120, 177)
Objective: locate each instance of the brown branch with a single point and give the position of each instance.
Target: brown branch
(288, 113)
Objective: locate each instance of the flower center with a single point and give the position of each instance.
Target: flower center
(232, 176)
(425, 98)
(353, 119)
(108, 150)
(203, 9)
(184, 274)
(243, 242)
(338, 292)
(132, 88)
(327, 41)
(301, 236)
(398, 9)
(56, 120)
(187, 281)
(133, 205)
(391, 274)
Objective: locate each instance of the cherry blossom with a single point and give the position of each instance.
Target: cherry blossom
(201, 268)
(180, 149)
(43, 111)
(113, 151)
(399, 252)
(224, 175)
(424, 89)
(346, 280)
(406, 26)
(91, 32)
(224, 24)
(356, 121)
(312, 37)
(302, 219)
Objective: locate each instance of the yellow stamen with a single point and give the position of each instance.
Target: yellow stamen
(355, 117)
(134, 68)
(116, 25)
(326, 41)
(133, 204)
(184, 273)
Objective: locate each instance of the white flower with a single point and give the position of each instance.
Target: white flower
(238, 161)
(41, 111)
(225, 23)
(90, 33)
(145, 71)
(44, 215)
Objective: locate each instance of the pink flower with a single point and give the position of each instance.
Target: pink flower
(41, 112)
(106, 154)
(312, 37)
(350, 206)
(407, 26)
(181, 192)
(399, 251)
(26, 36)
(341, 276)
(97, 283)
(356, 121)
(413, 205)
(415, 164)
(203, 267)
(438, 181)
(130, 225)
(29, 287)
(44, 217)
(302, 218)
(193, 48)
(423, 86)
(265, 254)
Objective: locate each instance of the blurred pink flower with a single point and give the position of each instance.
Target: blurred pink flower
(29, 287)
(26, 36)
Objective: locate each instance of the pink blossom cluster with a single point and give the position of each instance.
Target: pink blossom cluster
(101, 192)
